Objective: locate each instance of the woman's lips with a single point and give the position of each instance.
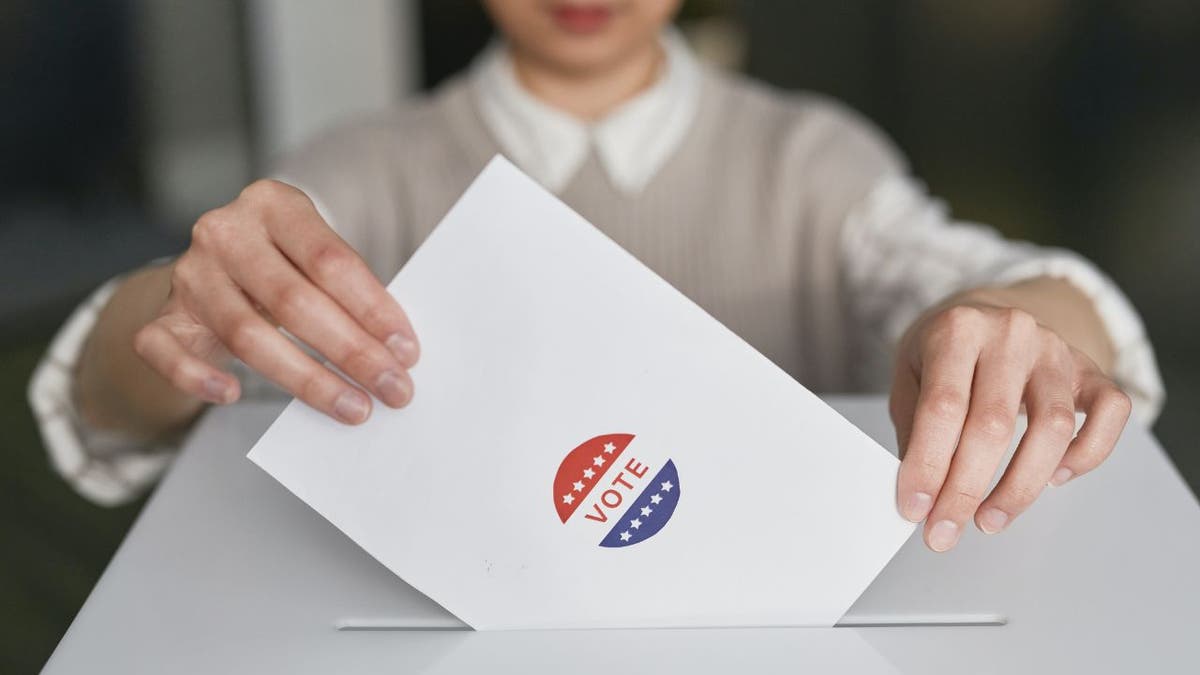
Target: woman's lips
(582, 19)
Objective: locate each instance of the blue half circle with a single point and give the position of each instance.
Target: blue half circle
(644, 518)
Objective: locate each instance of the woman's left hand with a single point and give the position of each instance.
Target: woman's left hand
(963, 373)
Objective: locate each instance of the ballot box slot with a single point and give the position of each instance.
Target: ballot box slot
(926, 620)
(862, 621)
(446, 623)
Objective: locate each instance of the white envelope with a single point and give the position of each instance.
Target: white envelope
(587, 448)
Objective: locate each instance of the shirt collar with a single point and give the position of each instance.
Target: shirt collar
(631, 143)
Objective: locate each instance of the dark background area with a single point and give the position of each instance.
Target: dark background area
(1070, 123)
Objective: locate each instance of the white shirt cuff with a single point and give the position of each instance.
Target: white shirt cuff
(106, 467)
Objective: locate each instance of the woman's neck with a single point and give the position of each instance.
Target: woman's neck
(589, 95)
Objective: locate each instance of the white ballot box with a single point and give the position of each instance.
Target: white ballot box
(588, 448)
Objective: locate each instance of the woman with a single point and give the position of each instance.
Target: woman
(786, 217)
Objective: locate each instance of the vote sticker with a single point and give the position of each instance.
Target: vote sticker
(605, 485)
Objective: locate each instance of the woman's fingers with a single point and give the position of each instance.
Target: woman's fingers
(159, 347)
(1107, 409)
(1000, 377)
(963, 376)
(334, 267)
(248, 336)
(270, 254)
(947, 366)
(1050, 406)
(311, 315)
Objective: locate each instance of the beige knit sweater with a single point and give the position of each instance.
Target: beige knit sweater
(744, 218)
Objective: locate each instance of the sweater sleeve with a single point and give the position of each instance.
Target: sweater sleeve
(901, 253)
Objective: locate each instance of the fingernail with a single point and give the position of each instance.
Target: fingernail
(917, 506)
(992, 520)
(216, 389)
(1061, 475)
(943, 536)
(393, 389)
(351, 407)
(404, 347)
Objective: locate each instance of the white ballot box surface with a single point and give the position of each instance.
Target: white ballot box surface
(588, 448)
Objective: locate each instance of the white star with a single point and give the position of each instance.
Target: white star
(598, 460)
(646, 511)
(578, 486)
(588, 473)
(666, 487)
(568, 498)
(625, 535)
(654, 499)
(608, 448)
(635, 523)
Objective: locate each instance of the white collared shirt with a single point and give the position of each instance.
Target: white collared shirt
(631, 143)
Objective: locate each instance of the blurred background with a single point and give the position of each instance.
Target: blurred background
(1072, 123)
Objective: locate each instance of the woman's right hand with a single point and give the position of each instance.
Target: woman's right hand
(268, 260)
